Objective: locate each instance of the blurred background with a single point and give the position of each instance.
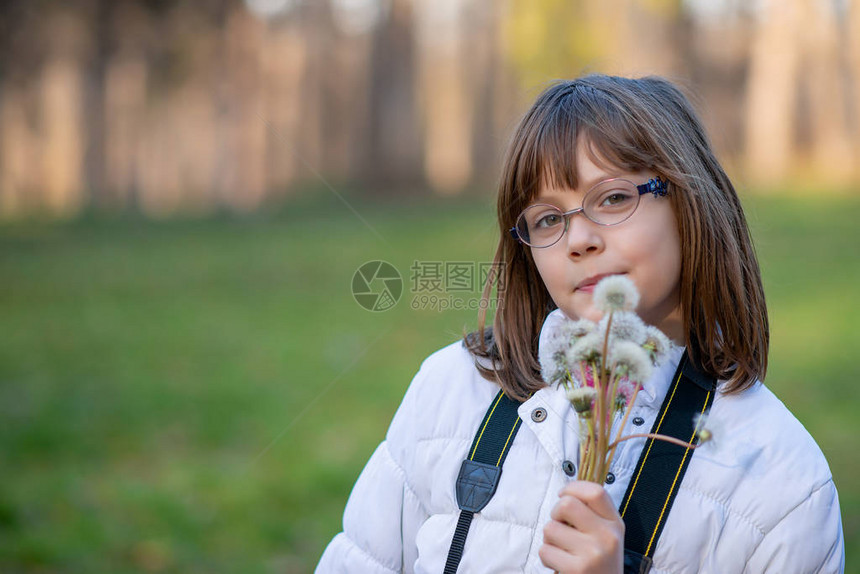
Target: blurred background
(188, 382)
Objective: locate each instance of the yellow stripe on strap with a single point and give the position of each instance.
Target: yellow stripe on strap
(505, 448)
(671, 490)
(651, 443)
(483, 428)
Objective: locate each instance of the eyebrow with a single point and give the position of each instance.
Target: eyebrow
(588, 185)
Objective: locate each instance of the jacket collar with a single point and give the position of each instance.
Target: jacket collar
(653, 390)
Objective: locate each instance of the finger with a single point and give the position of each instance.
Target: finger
(592, 495)
(566, 537)
(557, 559)
(571, 510)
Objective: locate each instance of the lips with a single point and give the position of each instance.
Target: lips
(588, 284)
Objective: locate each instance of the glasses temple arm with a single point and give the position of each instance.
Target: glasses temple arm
(654, 185)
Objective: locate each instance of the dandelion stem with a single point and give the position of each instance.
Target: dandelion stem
(655, 436)
(606, 388)
(630, 404)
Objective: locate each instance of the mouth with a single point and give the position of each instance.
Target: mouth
(587, 285)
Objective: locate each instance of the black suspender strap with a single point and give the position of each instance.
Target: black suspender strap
(652, 488)
(662, 465)
(480, 472)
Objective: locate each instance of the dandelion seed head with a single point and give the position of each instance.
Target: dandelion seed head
(700, 426)
(552, 367)
(587, 348)
(577, 329)
(625, 325)
(656, 344)
(556, 340)
(630, 360)
(582, 399)
(551, 356)
(615, 293)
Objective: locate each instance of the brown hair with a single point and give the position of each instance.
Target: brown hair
(634, 124)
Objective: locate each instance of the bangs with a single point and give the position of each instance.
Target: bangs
(570, 116)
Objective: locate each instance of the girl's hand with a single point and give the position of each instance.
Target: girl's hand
(586, 533)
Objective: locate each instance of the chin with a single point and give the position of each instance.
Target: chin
(589, 313)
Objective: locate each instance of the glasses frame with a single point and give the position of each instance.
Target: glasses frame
(654, 185)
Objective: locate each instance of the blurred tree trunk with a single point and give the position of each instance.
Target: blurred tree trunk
(285, 61)
(715, 53)
(493, 93)
(449, 67)
(19, 148)
(61, 109)
(126, 77)
(772, 91)
(392, 155)
(246, 184)
(853, 76)
(99, 30)
(345, 59)
(828, 92)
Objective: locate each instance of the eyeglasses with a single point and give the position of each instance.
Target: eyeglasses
(610, 202)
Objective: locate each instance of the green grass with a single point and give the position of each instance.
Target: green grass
(201, 395)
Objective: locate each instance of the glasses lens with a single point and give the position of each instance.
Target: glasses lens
(540, 225)
(611, 202)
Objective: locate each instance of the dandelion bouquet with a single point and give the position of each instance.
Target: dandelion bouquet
(602, 366)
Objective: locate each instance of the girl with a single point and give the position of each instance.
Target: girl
(759, 499)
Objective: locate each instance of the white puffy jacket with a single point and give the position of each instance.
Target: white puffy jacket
(759, 498)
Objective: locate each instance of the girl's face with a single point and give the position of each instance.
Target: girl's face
(646, 247)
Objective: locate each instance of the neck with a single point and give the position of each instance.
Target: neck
(673, 327)
(671, 323)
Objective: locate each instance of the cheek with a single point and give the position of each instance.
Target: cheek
(663, 251)
(544, 265)
(551, 270)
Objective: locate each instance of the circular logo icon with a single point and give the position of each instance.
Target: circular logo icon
(377, 286)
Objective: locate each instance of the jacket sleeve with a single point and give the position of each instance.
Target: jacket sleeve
(372, 538)
(808, 539)
(383, 512)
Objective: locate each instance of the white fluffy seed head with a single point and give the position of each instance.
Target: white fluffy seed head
(656, 344)
(555, 344)
(551, 358)
(577, 329)
(625, 326)
(552, 368)
(582, 398)
(615, 293)
(587, 348)
(630, 360)
(700, 425)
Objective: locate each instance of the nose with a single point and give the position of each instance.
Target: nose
(583, 236)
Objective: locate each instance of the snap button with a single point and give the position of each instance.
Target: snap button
(569, 468)
(638, 421)
(610, 478)
(539, 415)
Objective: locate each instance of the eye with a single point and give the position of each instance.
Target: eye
(614, 199)
(548, 220)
